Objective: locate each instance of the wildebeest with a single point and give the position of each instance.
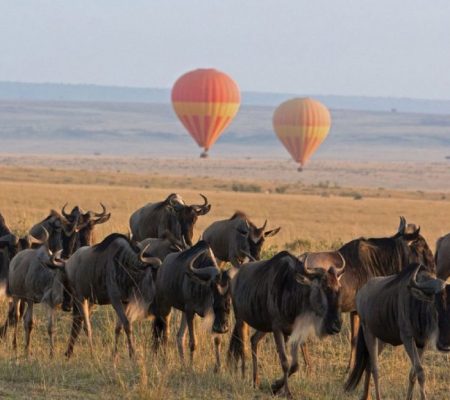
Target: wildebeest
(191, 282)
(35, 276)
(10, 244)
(172, 214)
(163, 246)
(237, 238)
(87, 220)
(443, 257)
(56, 225)
(411, 308)
(112, 272)
(282, 296)
(368, 258)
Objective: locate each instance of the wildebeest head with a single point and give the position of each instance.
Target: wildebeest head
(426, 287)
(161, 247)
(207, 273)
(251, 238)
(187, 215)
(56, 225)
(86, 223)
(60, 284)
(420, 251)
(325, 293)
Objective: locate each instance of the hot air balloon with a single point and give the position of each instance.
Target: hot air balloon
(205, 101)
(301, 124)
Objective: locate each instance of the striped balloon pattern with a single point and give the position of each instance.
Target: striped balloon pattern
(205, 101)
(301, 124)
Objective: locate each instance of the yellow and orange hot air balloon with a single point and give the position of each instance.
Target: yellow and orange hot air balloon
(205, 101)
(301, 124)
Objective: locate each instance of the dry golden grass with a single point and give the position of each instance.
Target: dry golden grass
(308, 222)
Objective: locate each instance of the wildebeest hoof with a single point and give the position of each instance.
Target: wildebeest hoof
(276, 386)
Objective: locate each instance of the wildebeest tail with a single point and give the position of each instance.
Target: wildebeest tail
(11, 318)
(362, 361)
(239, 338)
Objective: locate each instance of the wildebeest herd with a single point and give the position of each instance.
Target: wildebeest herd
(393, 287)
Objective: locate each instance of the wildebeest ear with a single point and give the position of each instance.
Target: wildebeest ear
(272, 232)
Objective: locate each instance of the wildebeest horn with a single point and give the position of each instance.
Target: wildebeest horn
(202, 209)
(154, 261)
(204, 274)
(402, 226)
(43, 239)
(310, 272)
(264, 226)
(101, 214)
(56, 260)
(63, 211)
(430, 286)
(342, 268)
(175, 202)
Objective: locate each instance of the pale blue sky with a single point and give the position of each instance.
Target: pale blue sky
(360, 47)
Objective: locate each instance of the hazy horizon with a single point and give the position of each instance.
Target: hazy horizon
(347, 48)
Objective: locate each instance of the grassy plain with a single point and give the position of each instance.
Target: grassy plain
(311, 219)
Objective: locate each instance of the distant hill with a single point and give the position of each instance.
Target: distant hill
(75, 127)
(97, 93)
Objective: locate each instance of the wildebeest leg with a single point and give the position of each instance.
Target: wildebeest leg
(16, 308)
(413, 377)
(277, 385)
(281, 349)
(192, 339)
(28, 325)
(77, 320)
(255, 339)
(118, 307)
(181, 336)
(87, 324)
(354, 327)
(50, 331)
(117, 331)
(415, 355)
(217, 346)
(306, 357)
(372, 347)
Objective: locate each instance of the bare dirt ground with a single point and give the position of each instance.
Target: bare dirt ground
(413, 176)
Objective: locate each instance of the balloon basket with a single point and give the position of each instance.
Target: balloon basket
(204, 154)
(300, 169)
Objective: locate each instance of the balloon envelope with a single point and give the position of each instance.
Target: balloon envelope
(205, 101)
(301, 124)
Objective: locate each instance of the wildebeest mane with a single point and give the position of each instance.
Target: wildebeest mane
(367, 258)
(239, 214)
(284, 288)
(103, 245)
(423, 318)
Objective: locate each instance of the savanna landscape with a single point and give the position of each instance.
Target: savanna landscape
(311, 217)
(271, 166)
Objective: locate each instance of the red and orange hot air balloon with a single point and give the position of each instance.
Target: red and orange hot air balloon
(205, 101)
(301, 124)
